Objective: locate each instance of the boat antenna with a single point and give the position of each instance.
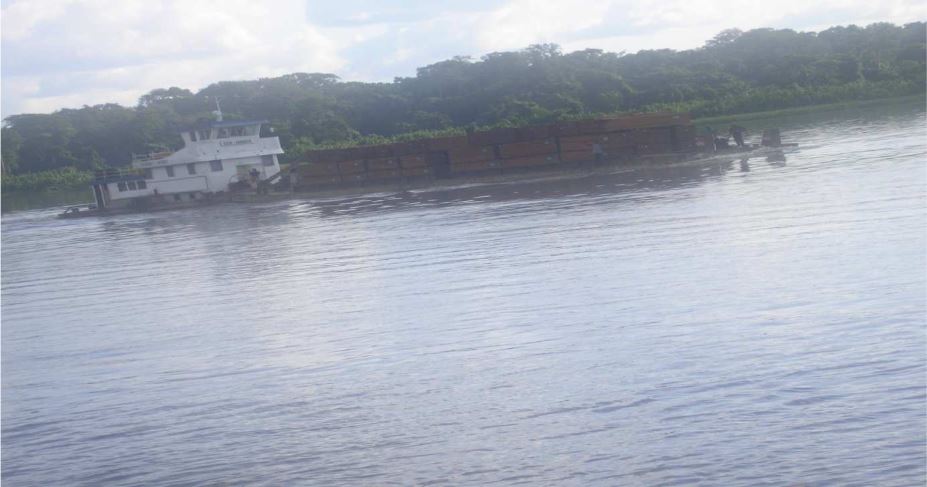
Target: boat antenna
(218, 111)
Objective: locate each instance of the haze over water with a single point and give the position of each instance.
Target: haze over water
(726, 324)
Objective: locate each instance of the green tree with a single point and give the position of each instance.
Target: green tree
(733, 72)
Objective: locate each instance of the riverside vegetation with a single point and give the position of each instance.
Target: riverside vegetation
(735, 72)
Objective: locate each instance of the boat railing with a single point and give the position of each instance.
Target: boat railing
(110, 173)
(151, 156)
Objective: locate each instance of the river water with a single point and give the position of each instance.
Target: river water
(728, 324)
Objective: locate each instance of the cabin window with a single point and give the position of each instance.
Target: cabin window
(122, 186)
(149, 174)
(193, 136)
(237, 131)
(177, 197)
(170, 171)
(215, 166)
(191, 169)
(204, 134)
(267, 160)
(131, 185)
(223, 133)
(142, 184)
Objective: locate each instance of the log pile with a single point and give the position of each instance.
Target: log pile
(564, 144)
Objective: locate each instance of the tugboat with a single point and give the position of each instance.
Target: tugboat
(216, 157)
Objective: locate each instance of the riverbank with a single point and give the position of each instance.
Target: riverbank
(920, 99)
(61, 196)
(46, 188)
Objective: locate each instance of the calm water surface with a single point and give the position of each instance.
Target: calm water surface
(729, 324)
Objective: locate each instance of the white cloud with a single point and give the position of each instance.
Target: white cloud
(19, 18)
(746, 15)
(679, 38)
(633, 25)
(523, 22)
(120, 50)
(67, 53)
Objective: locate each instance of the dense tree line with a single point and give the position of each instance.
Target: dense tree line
(733, 72)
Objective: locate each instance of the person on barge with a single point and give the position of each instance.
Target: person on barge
(737, 132)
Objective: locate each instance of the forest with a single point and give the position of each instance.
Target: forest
(734, 72)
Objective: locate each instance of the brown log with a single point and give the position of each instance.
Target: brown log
(647, 120)
(531, 161)
(564, 129)
(685, 138)
(534, 132)
(375, 151)
(409, 147)
(383, 163)
(578, 156)
(351, 167)
(412, 160)
(588, 127)
(384, 174)
(473, 166)
(578, 143)
(447, 143)
(472, 154)
(527, 149)
(416, 171)
(354, 178)
(318, 181)
(325, 155)
(493, 137)
(318, 169)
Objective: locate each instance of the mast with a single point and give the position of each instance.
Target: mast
(218, 111)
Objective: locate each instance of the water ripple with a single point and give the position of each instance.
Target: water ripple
(664, 326)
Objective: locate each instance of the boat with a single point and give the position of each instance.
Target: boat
(217, 158)
(628, 141)
(231, 161)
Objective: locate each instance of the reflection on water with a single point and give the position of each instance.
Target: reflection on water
(735, 322)
(543, 186)
(778, 158)
(26, 200)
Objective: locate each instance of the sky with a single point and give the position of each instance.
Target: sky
(69, 53)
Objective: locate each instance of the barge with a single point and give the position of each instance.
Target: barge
(651, 138)
(231, 161)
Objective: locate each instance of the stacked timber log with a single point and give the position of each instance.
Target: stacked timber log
(565, 144)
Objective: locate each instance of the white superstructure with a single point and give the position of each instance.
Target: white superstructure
(213, 157)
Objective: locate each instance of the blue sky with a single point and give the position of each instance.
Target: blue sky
(69, 53)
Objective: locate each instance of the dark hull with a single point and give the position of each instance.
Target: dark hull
(84, 212)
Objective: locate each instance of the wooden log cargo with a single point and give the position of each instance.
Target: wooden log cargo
(447, 143)
(416, 172)
(319, 181)
(536, 147)
(383, 164)
(472, 154)
(534, 161)
(321, 169)
(471, 167)
(384, 174)
(412, 161)
(563, 144)
(352, 167)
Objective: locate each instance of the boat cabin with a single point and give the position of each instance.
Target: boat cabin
(215, 155)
